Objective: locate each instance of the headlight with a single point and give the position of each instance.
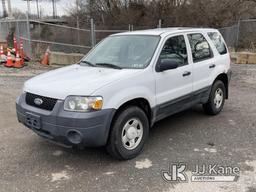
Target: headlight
(83, 104)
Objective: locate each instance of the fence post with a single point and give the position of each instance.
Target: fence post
(92, 33)
(1, 38)
(237, 35)
(95, 38)
(130, 27)
(160, 23)
(39, 29)
(17, 31)
(28, 36)
(78, 31)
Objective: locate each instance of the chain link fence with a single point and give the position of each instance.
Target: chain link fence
(230, 34)
(247, 35)
(241, 36)
(38, 35)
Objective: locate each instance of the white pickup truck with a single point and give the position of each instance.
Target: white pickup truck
(124, 85)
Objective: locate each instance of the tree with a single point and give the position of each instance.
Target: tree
(54, 8)
(200, 13)
(17, 14)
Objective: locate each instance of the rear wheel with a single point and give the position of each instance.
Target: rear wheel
(217, 99)
(128, 133)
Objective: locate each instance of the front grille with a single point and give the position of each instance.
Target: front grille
(47, 104)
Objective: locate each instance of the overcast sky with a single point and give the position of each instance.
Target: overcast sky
(46, 7)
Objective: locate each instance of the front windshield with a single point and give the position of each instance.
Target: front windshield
(124, 51)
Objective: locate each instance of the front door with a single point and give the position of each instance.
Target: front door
(173, 87)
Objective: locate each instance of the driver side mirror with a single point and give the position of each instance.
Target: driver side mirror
(166, 64)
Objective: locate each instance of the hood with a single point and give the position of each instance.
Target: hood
(74, 80)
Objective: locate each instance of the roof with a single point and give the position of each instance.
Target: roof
(162, 31)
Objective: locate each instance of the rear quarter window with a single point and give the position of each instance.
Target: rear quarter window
(218, 42)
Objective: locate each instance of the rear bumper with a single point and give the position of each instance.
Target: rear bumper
(64, 127)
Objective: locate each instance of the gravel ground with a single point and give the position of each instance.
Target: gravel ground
(27, 71)
(29, 163)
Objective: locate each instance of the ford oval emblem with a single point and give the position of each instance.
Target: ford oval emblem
(38, 101)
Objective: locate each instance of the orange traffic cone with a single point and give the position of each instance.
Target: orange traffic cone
(18, 63)
(45, 60)
(15, 48)
(2, 55)
(9, 62)
(1, 50)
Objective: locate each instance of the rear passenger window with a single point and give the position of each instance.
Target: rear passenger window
(200, 47)
(218, 42)
(176, 50)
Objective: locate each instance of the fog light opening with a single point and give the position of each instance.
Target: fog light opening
(74, 137)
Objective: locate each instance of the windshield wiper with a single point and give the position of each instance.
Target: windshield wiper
(108, 65)
(87, 62)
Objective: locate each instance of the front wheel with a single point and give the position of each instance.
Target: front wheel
(128, 134)
(216, 100)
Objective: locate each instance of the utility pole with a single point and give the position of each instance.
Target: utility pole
(4, 9)
(9, 8)
(54, 9)
(37, 8)
(28, 7)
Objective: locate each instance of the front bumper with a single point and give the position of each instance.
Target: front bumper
(66, 128)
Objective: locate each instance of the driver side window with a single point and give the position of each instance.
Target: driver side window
(175, 49)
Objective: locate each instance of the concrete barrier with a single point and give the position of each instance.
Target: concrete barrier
(59, 58)
(252, 59)
(246, 58)
(233, 56)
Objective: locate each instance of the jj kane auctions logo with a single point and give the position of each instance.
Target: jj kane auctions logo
(177, 172)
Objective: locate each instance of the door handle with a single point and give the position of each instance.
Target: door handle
(212, 66)
(187, 73)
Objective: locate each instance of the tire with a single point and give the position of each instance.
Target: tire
(216, 100)
(129, 123)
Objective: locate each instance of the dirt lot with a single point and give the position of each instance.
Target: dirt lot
(29, 163)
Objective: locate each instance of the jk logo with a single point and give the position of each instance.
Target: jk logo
(175, 173)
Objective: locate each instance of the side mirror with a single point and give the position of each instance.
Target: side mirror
(166, 64)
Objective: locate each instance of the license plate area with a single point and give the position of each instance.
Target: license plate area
(33, 121)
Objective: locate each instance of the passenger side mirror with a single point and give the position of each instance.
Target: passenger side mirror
(167, 64)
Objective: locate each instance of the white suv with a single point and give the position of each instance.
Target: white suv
(124, 85)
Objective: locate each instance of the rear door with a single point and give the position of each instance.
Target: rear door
(173, 87)
(203, 62)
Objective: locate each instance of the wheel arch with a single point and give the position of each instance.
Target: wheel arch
(224, 78)
(139, 102)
